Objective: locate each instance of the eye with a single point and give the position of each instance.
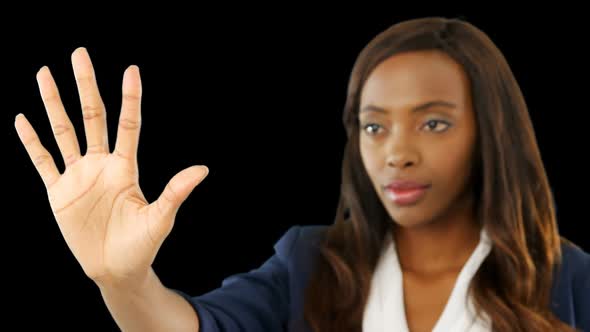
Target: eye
(430, 125)
(371, 125)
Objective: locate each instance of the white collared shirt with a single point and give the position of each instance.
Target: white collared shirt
(385, 309)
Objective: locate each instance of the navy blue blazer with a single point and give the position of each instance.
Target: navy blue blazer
(270, 298)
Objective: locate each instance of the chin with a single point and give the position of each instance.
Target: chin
(409, 215)
(409, 224)
(414, 216)
(407, 218)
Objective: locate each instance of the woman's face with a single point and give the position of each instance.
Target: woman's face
(432, 145)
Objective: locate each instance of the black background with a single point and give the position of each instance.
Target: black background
(258, 98)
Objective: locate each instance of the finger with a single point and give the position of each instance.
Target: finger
(130, 118)
(175, 193)
(62, 127)
(95, 121)
(41, 158)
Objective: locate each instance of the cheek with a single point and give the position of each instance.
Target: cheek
(372, 162)
(451, 165)
(371, 159)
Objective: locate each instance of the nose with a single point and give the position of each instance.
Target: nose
(400, 160)
(401, 154)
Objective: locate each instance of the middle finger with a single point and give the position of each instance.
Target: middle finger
(93, 109)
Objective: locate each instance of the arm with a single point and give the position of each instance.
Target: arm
(258, 300)
(149, 307)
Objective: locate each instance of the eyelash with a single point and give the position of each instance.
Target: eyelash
(432, 120)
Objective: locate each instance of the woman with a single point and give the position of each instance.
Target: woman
(446, 220)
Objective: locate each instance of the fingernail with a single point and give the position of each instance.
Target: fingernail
(42, 68)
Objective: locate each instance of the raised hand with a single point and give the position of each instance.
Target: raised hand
(112, 230)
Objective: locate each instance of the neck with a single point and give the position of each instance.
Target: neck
(443, 245)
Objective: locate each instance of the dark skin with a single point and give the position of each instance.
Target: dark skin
(435, 236)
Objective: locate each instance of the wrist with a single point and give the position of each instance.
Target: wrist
(138, 285)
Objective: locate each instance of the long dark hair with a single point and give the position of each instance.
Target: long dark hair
(512, 194)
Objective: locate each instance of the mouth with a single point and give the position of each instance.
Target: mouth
(404, 197)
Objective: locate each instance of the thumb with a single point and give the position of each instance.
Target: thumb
(178, 189)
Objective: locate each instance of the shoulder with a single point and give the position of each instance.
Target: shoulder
(575, 263)
(299, 245)
(571, 288)
(298, 238)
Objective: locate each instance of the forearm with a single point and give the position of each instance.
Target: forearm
(149, 307)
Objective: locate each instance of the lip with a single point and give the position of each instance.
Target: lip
(405, 196)
(406, 184)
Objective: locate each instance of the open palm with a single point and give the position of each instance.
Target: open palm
(112, 230)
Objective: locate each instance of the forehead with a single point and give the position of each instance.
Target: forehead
(413, 77)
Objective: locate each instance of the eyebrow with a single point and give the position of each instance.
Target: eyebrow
(421, 107)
